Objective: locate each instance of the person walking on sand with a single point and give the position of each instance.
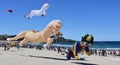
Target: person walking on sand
(18, 47)
(5, 46)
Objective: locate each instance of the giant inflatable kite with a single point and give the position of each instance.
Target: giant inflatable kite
(79, 47)
(41, 12)
(42, 36)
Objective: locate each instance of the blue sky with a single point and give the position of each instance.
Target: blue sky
(101, 18)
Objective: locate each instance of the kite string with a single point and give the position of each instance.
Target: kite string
(66, 20)
(61, 15)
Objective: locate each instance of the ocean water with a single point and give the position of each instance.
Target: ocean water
(96, 44)
(106, 44)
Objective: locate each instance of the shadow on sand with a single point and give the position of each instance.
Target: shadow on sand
(48, 57)
(63, 59)
(81, 63)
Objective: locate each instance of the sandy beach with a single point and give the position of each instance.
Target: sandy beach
(26, 56)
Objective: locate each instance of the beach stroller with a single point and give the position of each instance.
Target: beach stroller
(80, 46)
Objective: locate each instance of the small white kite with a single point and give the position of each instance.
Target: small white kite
(41, 12)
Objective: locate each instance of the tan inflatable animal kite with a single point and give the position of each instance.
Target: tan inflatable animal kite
(42, 36)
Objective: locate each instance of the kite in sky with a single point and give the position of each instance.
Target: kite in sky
(41, 12)
(9, 10)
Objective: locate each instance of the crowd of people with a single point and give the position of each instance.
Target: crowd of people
(106, 52)
(6, 46)
(63, 50)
